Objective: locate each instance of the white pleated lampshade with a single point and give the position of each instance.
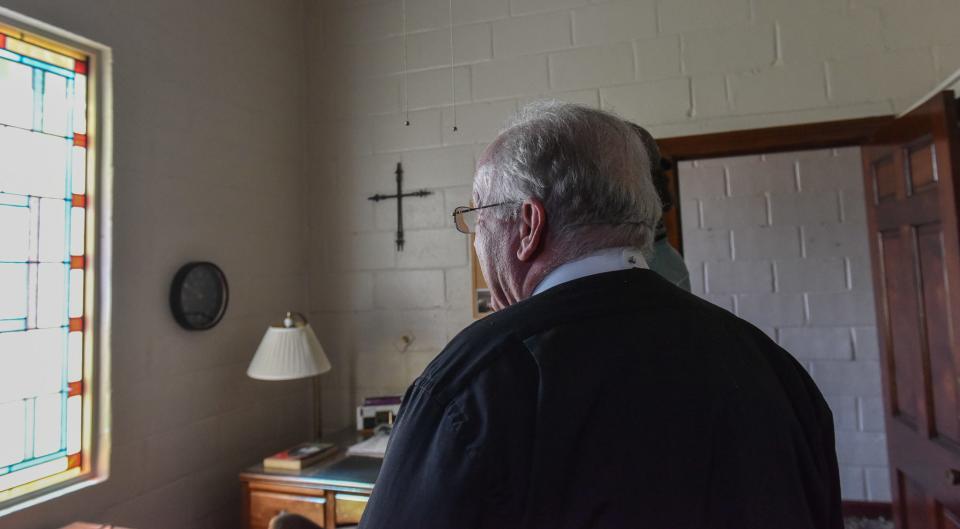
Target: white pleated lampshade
(286, 353)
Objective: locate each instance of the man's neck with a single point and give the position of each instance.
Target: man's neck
(599, 261)
(535, 276)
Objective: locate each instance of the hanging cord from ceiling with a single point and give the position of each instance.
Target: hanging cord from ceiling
(403, 60)
(453, 87)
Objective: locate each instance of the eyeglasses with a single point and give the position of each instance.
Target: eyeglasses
(465, 218)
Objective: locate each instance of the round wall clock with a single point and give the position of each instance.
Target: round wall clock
(198, 295)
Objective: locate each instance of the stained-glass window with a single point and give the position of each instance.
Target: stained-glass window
(43, 201)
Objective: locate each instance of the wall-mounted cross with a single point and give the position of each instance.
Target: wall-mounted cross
(399, 196)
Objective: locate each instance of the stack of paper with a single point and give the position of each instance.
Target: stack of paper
(376, 446)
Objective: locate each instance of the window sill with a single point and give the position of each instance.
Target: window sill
(51, 492)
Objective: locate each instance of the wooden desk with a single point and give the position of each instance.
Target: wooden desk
(332, 493)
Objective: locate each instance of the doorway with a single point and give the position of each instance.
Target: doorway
(774, 229)
(768, 247)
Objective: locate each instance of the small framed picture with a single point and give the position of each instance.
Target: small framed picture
(483, 306)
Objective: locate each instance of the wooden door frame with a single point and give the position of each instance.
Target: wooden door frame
(808, 136)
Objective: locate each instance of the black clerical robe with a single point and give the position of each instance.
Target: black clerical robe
(612, 401)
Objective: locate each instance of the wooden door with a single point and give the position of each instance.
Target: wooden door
(910, 173)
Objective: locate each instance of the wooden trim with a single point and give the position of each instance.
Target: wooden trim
(868, 509)
(773, 139)
(283, 488)
(757, 141)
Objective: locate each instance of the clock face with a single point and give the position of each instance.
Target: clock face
(198, 295)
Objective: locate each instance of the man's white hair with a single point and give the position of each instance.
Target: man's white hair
(588, 167)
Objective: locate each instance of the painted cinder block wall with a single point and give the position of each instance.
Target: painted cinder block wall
(781, 240)
(678, 67)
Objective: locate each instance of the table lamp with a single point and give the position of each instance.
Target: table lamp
(288, 351)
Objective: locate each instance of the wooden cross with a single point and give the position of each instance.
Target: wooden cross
(399, 196)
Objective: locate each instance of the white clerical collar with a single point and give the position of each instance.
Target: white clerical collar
(606, 260)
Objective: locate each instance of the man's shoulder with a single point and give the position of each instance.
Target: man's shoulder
(503, 337)
(482, 346)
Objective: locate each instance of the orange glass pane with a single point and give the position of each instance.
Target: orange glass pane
(79, 201)
(76, 388)
(3, 41)
(80, 67)
(77, 261)
(76, 324)
(80, 140)
(74, 460)
(7, 30)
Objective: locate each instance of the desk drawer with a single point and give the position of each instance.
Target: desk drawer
(349, 508)
(266, 505)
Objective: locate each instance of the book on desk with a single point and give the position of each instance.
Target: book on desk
(300, 456)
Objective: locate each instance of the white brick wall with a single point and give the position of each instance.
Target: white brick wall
(774, 249)
(531, 34)
(657, 58)
(581, 67)
(729, 49)
(614, 22)
(676, 66)
(510, 77)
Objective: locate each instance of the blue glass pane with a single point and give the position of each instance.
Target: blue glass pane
(6, 199)
(14, 230)
(48, 424)
(18, 324)
(31, 363)
(56, 105)
(13, 284)
(47, 67)
(16, 85)
(52, 283)
(32, 163)
(53, 229)
(11, 443)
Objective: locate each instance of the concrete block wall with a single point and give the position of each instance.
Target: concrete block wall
(678, 67)
(781, 240)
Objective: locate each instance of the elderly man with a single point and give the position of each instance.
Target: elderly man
(599, 395)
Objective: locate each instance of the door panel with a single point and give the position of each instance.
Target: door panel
(905, 342)
(913, 503)
(922, 167)
(885, 179)
(912, 215)
(936, 312)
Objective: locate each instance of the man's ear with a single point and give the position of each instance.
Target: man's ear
(533, 227)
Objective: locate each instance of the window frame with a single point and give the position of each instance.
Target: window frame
(95, 451)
